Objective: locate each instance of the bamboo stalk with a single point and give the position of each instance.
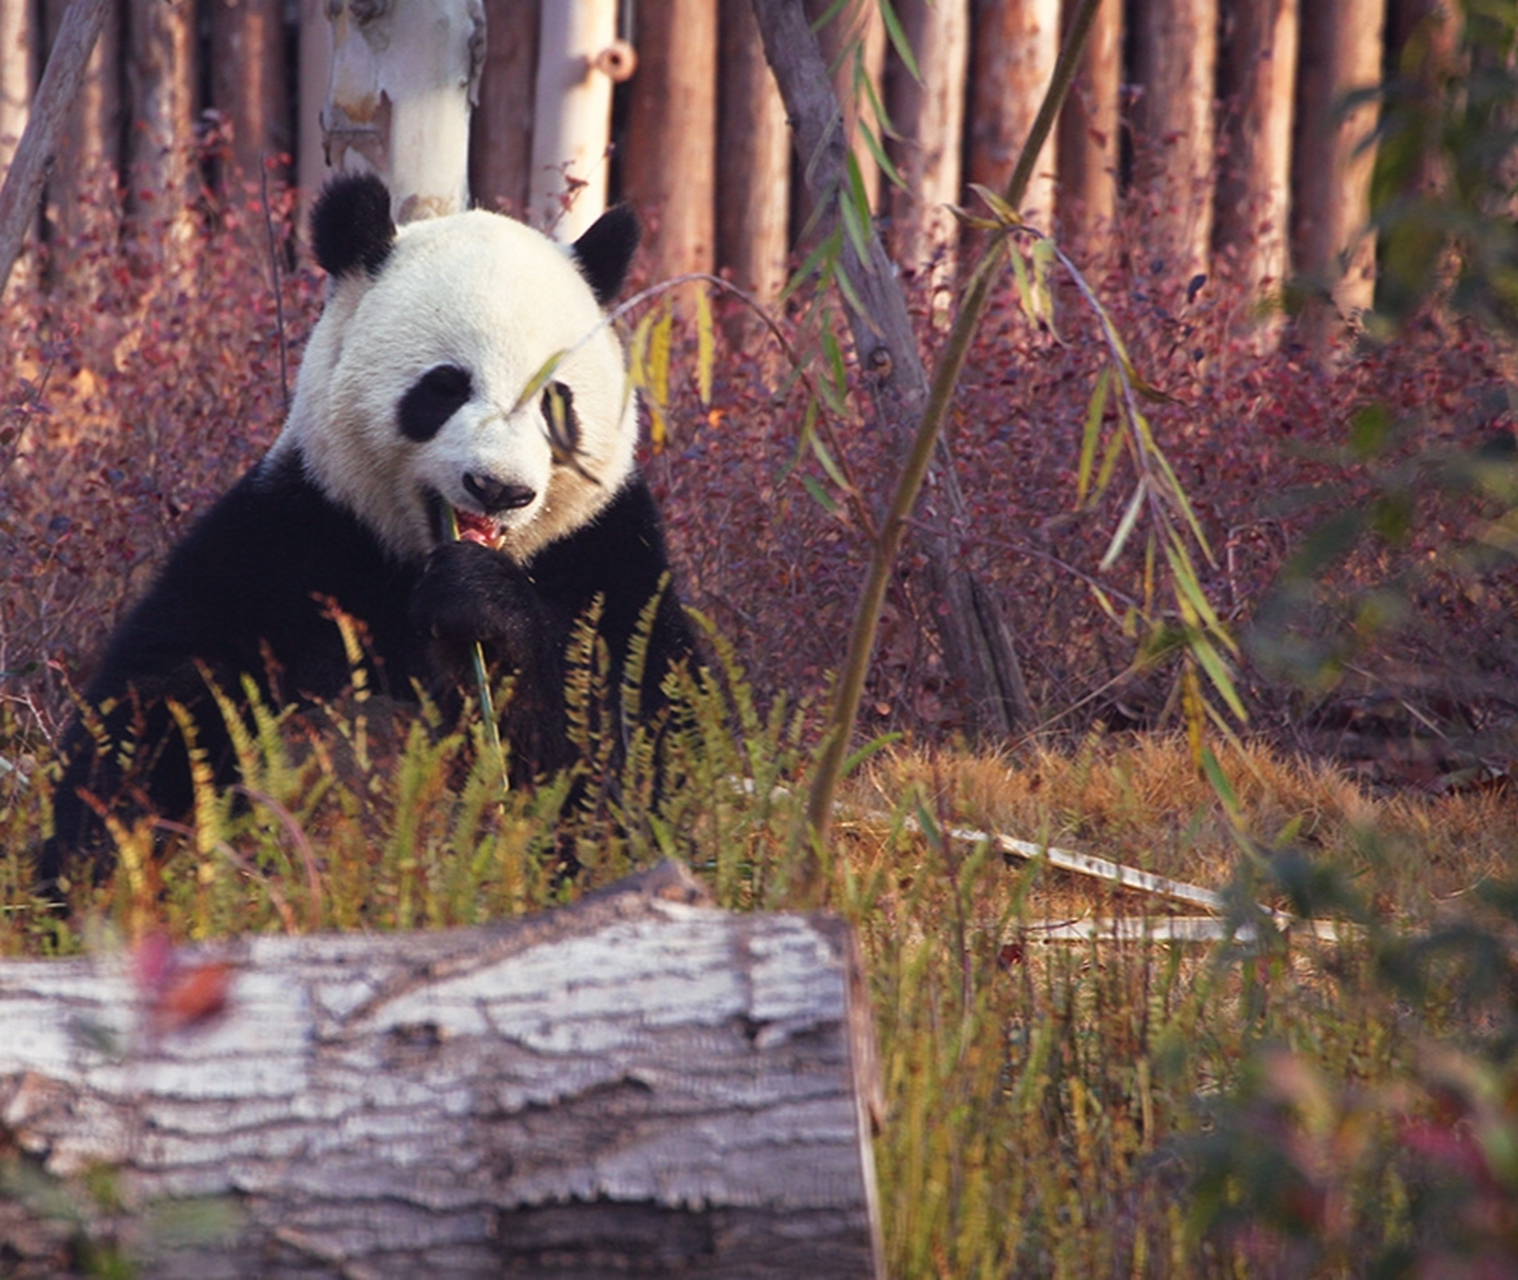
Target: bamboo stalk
(940, 395)
(482, 680)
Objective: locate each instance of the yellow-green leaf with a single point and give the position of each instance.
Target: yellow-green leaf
(1006, 215)
(705, 347)
(1094, 411)
(659, 344)
(1124, 528)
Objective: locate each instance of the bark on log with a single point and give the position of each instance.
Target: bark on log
(636, 1083)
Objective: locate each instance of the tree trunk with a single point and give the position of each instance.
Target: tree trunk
(1333, 246)
(976, 643)
(404, 77)
(1258, 88)
(22, 184)
(928, 116)
(312, 164)
(753, 169)
(1175, 59)
(1016, 43)
(854, 44)
(1088, 136)
(160, 73)
(248, 80)
(18, 75)
(86, 172)
(637, 1084)
(571, 116)
(669, 171)
(500, 137)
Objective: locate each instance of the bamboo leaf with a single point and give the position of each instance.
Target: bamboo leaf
(659, 344)
(854, 210)
(1095, 408)
(1184, 573)
(1213, 771)
(1043, 295)
(637, 353)
(835, 385)
(1124, 528)
(658, 425)
(1024, 286)
(1217, 671)
(819, 495)
(872, 143)
(1182, 503)
(706, 347)
(835, 474)
(1105, 603)
(899, 40)
(870, 748)
(1005, 214)
(539, 379)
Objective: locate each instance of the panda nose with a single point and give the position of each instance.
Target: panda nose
(495, 495)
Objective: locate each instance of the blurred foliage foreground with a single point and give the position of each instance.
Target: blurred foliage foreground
(1284, 1102)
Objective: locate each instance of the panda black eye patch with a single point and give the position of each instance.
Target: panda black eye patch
(432, 399)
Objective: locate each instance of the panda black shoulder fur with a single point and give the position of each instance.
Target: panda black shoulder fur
(406, 406)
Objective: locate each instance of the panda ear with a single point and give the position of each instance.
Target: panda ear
(351, 225)
(605, 251)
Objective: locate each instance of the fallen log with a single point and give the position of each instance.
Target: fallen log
(637, 1083)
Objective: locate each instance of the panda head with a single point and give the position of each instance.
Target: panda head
(410, 399)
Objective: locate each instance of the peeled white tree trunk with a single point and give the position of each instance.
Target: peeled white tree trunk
(578, 57)
(405, 75)
(639, 1083)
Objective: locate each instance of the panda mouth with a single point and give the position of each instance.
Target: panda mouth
(450, 524)
(476, 528)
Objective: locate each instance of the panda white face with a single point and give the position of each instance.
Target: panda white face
(410, 400)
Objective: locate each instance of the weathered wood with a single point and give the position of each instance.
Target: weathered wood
(637, 1083)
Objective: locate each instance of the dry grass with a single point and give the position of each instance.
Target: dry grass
(1049, 1105)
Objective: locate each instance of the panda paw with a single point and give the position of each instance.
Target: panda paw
(469, 593)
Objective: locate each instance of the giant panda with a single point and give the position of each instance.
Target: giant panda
(408, 410)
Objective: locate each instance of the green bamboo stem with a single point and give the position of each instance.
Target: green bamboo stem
(482, 680)
(940, 395)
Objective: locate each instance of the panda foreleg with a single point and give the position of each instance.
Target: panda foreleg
(468, 594)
